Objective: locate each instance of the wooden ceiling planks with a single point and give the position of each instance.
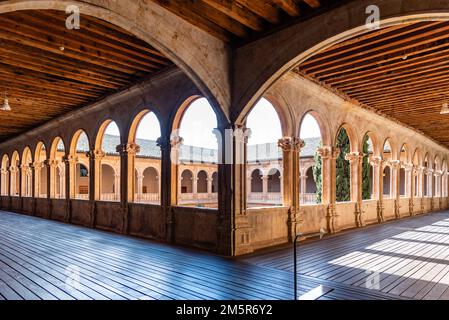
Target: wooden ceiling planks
(401, 71)
(241, 20)
(48, 70)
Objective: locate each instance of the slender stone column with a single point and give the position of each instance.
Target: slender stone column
(356, 159)
(70, 171)
(377, 164)
(209, 185)
(139, 187)
(395, 166)
(95, 157)
(291, 188)
(410, 186)
(234, 231)
(124, 180)
(174, 160)
(329, 157)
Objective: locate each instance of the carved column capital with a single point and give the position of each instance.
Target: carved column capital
(395, 164)
(70, 159)
(176, 141)
(408, 167)
(438, 173)
(164, 143)
(95, 154)
(291, 144)
(328, 152)
(241, 133)
(129, 148)
(354, 157)
(375, 161)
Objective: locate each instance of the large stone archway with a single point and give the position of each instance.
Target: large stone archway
(204, 58)
(262, 63)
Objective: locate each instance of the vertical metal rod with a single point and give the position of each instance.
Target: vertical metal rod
(295, 266)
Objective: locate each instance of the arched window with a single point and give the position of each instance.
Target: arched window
(417, 191)
(202, 182)
(144, 133)
(187, 182)
(263, 151)
(15, 174)
(215, 182)
(5, 176)
(109, 162)
(311, 183)
(274, 181)
(79, 167)
(367, 168)
(108, 183)
(343, 168)
(426, 177)
(256, 181)
(197, 150)
(27, 174)
(57, 169)
(387, 176)
(40, 171)
(402, 180)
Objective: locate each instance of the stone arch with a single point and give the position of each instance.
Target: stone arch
(79, 172)
(136, 121)
(374, 140)
(202, 182)
(274, 180)
(57, 168)
(207, 66)
(187, 181)
(15, 174)
(150, 181)
(5, 175)
(256, 181)
(323, 124)
(27, 179)
(404, 154)
(353, 140)
(40, 170)
(102, 130)
(261, 64)
(389, 148)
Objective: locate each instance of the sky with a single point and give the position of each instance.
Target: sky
(199, 121)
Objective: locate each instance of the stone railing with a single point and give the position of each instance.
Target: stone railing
(197, 198)
(147, 198)
(265, 198)
(110, 197)
(82, 197)
(308, 198)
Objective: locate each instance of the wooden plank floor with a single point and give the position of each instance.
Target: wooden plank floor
(408, 258)
(42, 259)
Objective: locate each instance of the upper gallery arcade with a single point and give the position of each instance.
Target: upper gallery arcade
(224, 125)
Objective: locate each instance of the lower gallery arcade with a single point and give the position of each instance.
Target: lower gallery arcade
(162, 188)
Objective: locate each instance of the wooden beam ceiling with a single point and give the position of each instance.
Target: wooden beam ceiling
(242, 20)
(48, 70)
(401, 71)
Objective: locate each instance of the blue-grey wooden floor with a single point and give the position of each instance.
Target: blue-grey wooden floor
(42, 259)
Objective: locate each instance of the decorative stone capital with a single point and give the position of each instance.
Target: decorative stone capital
(241, 133)
(438, 173)
(328, 152)
(51, 163)
(163, 143)
(408, 167)
(70, 159)
(129, 148)
(38, 165)
(354, 157)
(95, 154)
(395, 164)
(375, 161)
(291, 144)
(176, 141)
(418, 170)
(13, 169)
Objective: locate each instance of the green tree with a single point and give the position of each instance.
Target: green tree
(317, 176)
(343, 168)
(366, 176)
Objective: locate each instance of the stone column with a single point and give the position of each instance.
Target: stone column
(356, 159)
(94, 157)
(51, 183)
(124, 180)
(70, 180)
(175, 147)
(395, 166)
(291, 188)
(234, 230)
(377, 164)
(329, 157)
(139, 187)
(209, 185)
(410, 186)
(264, 188)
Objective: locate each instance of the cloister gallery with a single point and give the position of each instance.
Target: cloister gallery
(226, 126)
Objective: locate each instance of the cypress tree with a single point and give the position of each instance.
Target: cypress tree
(343, 168)
(366, 176)
(317, 171)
